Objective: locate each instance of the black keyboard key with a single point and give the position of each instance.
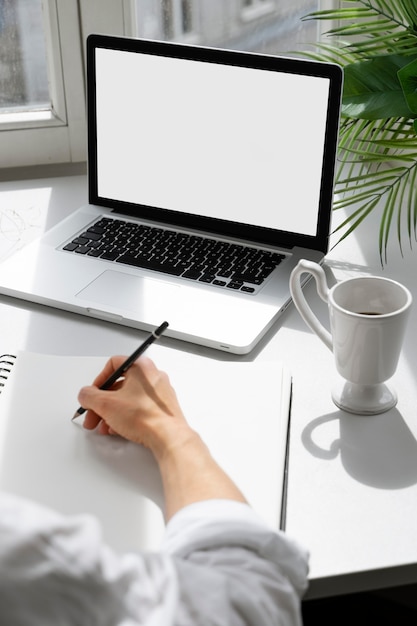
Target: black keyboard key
(223, 272)
(234, 285)
(91, 235)
(192, 274)
(82, 250)
(81, 241)
(207, 278)
(110, 256)
(166, 268)
(71, 247)
(96, 228)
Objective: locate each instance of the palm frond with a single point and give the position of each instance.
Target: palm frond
(393, 188)
(375, 25)
(377, 159)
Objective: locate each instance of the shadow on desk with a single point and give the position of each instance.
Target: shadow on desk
(390, 607)
(379, 450)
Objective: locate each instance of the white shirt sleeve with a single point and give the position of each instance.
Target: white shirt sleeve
(229, 559)
(219, 565)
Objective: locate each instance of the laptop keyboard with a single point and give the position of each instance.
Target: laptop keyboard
(220, 263)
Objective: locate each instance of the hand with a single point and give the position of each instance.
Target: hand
(141, 407)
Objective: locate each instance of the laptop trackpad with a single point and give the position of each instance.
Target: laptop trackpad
(192, 312)
(123, 291)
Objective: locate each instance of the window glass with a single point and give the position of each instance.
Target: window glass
(268, 26)
(23, 64)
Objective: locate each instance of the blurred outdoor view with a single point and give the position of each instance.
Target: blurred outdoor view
(23, 65)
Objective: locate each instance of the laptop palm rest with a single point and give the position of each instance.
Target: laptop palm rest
(188, 310)
(119, 290)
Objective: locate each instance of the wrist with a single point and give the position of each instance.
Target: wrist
(190, 474)
(172, 440)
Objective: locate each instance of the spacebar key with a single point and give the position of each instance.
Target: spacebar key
(166, 268)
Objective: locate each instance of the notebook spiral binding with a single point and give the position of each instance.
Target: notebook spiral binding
(6, 363)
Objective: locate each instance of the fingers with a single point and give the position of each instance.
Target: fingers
(88, 396)
(111, 366)
(140, 407)
(97, 401)
(91, 420)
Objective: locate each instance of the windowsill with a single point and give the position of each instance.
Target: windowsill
(42, 171)
(29, 119)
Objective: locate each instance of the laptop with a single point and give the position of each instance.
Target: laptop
(210, 174)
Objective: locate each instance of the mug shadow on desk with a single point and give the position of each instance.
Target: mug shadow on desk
(379, 451)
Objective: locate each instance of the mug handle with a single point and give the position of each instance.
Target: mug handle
(309, 267)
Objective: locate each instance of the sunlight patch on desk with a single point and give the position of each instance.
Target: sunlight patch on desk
(22, 217)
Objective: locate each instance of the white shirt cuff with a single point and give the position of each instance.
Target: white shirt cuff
(212, 524)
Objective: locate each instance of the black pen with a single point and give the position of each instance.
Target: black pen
(129, 361)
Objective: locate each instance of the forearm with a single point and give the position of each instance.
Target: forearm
(190, 474)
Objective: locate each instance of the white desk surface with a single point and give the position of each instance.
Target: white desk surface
(352, 481)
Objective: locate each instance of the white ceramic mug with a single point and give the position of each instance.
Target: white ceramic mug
(368, 316)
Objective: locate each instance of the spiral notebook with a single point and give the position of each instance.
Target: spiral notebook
(241, 409)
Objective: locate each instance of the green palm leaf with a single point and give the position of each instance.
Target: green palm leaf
(375, 41)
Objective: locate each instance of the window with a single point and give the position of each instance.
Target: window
(270, 26)
(42, 90)
(252, 9)
(177, 18)
(24, 76)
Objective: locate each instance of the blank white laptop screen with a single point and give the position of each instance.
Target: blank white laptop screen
(199, 142)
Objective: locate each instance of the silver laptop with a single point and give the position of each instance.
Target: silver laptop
(210, 175)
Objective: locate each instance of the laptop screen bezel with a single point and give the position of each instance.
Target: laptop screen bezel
(261, 235)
